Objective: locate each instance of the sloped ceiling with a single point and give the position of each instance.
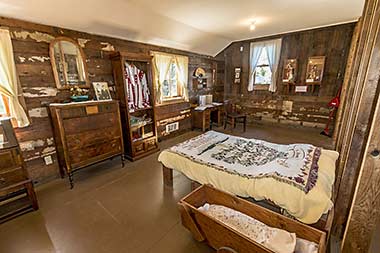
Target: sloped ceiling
(204, 27)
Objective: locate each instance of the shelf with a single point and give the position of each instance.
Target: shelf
(143, 138)
(141, 109)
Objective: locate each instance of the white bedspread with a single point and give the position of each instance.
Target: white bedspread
(306, 207)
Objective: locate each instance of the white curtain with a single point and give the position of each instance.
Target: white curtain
(182, 64)
(161, 64)
(273, 49)
(8, 79)
(256, 50)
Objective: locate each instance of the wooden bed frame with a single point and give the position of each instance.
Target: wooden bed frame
(324, 223)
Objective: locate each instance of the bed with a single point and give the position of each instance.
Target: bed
(297, 178)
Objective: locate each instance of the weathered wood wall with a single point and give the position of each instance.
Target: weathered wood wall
(357, 206)
(306, 109)
(31, 51)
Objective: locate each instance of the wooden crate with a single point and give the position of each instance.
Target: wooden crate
(218, 235)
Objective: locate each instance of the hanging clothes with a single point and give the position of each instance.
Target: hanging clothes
(137, 87)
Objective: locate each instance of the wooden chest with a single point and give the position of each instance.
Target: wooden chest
(86, 133)
(16, 188)
(219, 236)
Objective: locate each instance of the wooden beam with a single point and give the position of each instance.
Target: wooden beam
(358, 119)
(365, 210)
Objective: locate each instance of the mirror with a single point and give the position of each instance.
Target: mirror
(68, 62)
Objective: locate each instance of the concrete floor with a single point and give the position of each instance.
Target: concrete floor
(114, 209)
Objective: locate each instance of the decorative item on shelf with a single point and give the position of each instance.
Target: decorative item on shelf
(290, 71)
(201, 78)
(237, 75)
(101, 91)
(138, 122)
(78, 94)
(315, 68)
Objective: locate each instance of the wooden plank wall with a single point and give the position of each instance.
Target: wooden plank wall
(31, 51)
(307, 109)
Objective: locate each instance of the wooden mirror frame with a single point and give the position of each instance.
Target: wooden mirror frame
(54, 65)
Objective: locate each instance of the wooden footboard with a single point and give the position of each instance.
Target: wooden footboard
(167, 174)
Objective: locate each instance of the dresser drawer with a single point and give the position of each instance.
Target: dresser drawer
(9, 159)
(138, 147)
(87, 110)
(93, 122)
(12, 177)
(150, 144)
(88, 138)
(94, 152)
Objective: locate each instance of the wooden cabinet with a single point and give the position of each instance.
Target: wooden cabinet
(17, 194)
(138, 123)
(86, 133)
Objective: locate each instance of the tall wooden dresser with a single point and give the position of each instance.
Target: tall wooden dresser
(17, 194)
(86, 133)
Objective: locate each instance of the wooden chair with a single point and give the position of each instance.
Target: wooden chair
(233, 116)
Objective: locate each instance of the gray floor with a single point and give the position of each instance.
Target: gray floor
(114, 209)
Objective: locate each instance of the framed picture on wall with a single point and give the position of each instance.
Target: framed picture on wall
(315, 68)
(101, 91)
(290, 71)
(237, 75)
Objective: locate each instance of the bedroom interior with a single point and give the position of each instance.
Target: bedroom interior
(202, 126)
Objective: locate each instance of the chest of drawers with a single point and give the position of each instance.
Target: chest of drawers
(86, 133)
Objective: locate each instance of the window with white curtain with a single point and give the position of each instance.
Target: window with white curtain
(170, 77)
(264, 60)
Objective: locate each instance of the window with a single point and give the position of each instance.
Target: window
(263, 74)
(170, 77)
(264, 59)
(170, 87)
(4, 106)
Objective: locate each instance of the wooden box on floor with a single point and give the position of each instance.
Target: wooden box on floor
(139, 141)
(218, 235)
(86, 133)
(17, 194)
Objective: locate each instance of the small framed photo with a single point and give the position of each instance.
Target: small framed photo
(290, 71)
(237, 75)
(315, 68)
(101, 91)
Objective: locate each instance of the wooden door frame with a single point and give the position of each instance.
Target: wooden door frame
(357, 204)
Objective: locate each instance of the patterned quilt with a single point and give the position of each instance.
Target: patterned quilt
(295, 164)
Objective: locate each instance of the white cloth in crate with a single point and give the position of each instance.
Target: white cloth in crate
(275, 239)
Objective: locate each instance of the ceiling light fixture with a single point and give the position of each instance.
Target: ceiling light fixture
(252, 26)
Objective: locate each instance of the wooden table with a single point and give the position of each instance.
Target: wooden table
(203, 119)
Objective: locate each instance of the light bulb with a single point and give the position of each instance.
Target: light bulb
(252, 26)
